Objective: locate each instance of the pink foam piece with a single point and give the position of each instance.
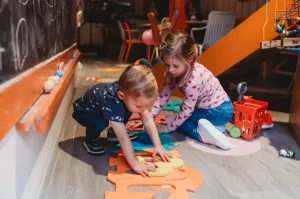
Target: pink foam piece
(241, 147)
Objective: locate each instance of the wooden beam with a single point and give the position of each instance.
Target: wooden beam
(40, 117)
(20, 93)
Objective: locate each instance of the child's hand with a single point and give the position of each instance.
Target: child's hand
(163, 128)
(162, 153)
(142, 168)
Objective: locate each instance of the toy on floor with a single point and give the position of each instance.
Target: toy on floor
(249, 115)
(287, 154)
(171, 106)
(267, 122)
(235, 132)
(181, 179)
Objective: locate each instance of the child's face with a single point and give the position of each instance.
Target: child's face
(135, 104)
(175, 66)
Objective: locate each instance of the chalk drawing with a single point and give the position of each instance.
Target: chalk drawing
(23, 2)
(2, 5)
(15, 43)
(1, 51)
(51, 6)
(21, 21)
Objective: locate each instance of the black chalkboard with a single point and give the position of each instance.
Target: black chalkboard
(32, 31)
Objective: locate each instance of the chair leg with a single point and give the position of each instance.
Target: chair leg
(120, 58)
(123, 52)
(127, 54)
(157, 52)
(148, 52)
(152, 56)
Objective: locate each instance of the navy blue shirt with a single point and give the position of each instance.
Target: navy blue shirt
(103, 99)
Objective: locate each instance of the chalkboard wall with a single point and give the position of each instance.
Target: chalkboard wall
(32, 31)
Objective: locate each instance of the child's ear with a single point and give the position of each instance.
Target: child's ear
(120, 95)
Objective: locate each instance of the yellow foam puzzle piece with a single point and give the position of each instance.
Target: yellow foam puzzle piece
(164, 168)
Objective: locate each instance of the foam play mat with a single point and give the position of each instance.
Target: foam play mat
(181, 178)
(240, 147)
(144, 142)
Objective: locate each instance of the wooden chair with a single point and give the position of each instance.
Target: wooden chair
(155, 33)
(127, 40)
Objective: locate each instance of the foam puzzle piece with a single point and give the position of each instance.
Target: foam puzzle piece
(163, 168)
(160, 119)
(143, 141)
(171, 106)
(134, 127)
(175, 162)
(177, 179)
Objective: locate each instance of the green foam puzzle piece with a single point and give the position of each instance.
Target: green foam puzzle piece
(171, 106)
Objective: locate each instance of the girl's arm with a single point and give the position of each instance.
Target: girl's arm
(186, 109)
(162, 99)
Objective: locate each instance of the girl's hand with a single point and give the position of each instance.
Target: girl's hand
(165, 155)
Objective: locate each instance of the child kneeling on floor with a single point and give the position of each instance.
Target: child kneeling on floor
(114, 103)
(206, 106)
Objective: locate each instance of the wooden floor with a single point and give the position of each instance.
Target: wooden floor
(74, 174)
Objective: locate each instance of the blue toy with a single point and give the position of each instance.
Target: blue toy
(171, 106)
(143, 141)
(59, 73)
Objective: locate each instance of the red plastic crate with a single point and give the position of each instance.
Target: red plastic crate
(249, 116)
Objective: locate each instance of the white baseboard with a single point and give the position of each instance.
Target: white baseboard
(39, 171)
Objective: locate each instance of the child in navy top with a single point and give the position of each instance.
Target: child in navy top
(114, 103)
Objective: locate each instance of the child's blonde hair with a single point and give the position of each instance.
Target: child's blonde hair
(138, 80)
(181, 45)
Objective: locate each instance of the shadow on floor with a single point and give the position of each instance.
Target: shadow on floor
(280, 137)
(75, 148)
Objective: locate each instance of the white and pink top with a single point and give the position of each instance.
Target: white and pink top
(202, 90)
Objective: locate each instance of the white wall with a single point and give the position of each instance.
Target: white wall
(8, 166)
(18, 155)
(24, 157)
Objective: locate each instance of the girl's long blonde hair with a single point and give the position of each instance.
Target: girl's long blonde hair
(181, 45)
